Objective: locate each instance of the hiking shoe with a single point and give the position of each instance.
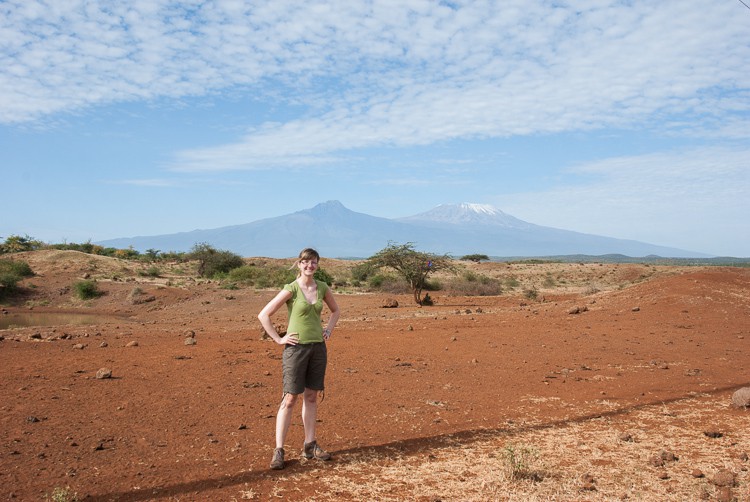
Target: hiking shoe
(312, 450)
(278, 459)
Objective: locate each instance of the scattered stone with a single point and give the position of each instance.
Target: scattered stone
(190, 341)
(479, 310)
(242, 427)
(741, 398)
(103, 373)
(656, 461)
(35, 336)
(134, 343)
(79, 346)
(410, 328)
(626, 437)
(390, 303)
(724, 494)
(668, 456)
(692, 372)
(189, 334)
(663, 474)
(574, 310)
(697, 473)
(467, 311)
(32, 419)
(636, 309)
(724, 477)
(103, 344)
(743, 456)
(713, 434)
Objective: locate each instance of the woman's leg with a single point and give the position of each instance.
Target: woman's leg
(284, 418)
(309, 413)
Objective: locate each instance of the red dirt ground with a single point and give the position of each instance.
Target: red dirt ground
(178, 422)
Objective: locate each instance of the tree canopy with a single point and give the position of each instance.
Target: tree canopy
(414, 266)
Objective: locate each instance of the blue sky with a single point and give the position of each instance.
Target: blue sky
(628, 119)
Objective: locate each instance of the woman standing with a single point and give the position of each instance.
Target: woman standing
(305, 356)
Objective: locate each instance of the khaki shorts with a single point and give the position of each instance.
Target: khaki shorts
(304, 366)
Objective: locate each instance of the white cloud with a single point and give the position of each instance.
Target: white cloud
(387, 72)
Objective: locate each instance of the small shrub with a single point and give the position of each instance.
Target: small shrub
(511, 282)
(531, 294)
(362, 272)
(427, 300)
(388, 283)
(261, 277)
(322, 275)
(62, 495)
(86, 290)
(151, 272)
(11, 273)
(519, 462)
(473, 284)
(432, 285)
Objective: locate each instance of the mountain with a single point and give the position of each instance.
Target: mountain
(455, 229)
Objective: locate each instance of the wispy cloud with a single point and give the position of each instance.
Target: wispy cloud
(385, 73)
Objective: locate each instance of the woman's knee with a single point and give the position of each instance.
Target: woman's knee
(289, 400)
(310, 396)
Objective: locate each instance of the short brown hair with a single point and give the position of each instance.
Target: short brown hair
(308, 254)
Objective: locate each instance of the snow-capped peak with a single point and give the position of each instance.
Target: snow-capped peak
(480, 208)
(467, 214)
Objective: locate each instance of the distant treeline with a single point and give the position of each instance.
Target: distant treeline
(15, 244)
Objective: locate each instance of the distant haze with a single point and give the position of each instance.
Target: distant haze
(455, 229)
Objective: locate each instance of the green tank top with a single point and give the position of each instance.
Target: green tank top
(304, 317)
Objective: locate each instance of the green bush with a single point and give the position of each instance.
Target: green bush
(473, 284)
(362, 272)
(152, 271)
(213, 262)
(86, 290)
(261, 277)
(11, 273)
(322, 275)
(17, 267)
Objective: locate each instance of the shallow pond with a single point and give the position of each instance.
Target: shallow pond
(28, 319)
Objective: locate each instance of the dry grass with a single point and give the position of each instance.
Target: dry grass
(599, 459)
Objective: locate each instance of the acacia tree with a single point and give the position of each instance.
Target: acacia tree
(412, 265)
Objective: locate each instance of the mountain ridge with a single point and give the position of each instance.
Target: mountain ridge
(455, 229)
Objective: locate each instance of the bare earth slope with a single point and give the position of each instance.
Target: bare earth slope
(475, 398)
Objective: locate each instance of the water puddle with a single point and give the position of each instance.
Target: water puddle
(41, 319)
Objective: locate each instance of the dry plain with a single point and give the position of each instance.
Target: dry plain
(475, 398)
